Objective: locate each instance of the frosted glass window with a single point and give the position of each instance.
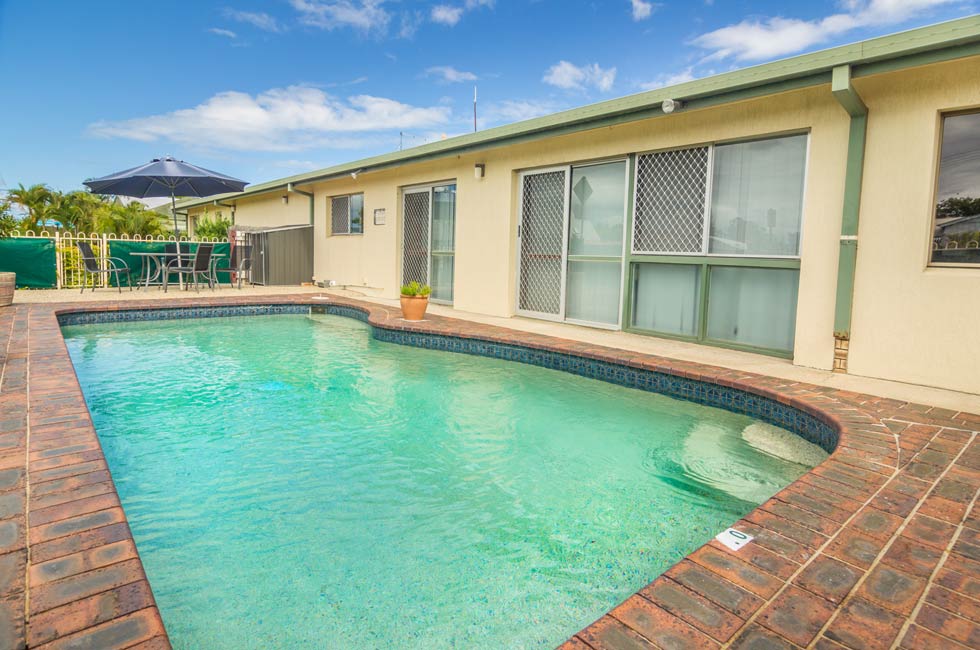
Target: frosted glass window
(753, 306)
(592, 293)
(598, 203)
(757, 197)
(443, 233)
(956, 229)
(442, 277)
(357, 213)
(347, 214)
(443, 218)
(666, 298)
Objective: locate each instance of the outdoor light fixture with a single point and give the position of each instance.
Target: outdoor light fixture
(354, 173)
(285, 199)
(670, 105)
(479, 171)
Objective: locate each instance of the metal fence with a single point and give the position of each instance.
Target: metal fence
(51, 260)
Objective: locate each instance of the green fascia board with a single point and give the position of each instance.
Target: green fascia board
(944, 41)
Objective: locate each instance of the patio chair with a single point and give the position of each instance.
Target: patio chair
(240, 262)
(199, 265)
(95, 266)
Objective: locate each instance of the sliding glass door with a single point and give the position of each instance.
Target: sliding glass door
(429, 238)
(571, 243)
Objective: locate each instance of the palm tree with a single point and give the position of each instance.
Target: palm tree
(76, 210)
(36, 199)
(132, 219)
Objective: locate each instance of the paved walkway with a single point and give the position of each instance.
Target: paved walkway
(877, 547)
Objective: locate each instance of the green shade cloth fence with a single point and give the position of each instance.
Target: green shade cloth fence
(34, 261)
(124, 249)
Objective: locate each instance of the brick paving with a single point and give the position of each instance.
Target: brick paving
(877, 547)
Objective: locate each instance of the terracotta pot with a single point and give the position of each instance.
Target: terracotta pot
(413, 307)
(7, 282)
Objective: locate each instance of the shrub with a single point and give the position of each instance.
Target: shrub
(413, 288)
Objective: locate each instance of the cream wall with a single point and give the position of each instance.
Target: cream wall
(912, 322)
(264, 210)
(487, 209)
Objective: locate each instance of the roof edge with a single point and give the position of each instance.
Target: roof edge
(905, 49)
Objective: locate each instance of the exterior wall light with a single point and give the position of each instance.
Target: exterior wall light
(285, 199)
(670, 105)
(354, 174)
(479, 171)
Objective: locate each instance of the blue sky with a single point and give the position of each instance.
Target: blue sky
(260, 90)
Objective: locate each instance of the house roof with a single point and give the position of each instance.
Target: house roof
(944, 41)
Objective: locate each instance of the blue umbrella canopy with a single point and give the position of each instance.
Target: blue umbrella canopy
(166, 177)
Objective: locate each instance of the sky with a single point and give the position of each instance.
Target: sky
(261, 90)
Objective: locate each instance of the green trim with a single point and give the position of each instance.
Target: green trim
(593, 258)
(704, 288)
(932, 44)
(311, 197)
(705, 264)
(841, 86)
(711, 260)
(626, 306)
(851, 209)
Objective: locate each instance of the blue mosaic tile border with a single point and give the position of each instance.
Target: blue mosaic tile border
(730, 399)
(173, 313)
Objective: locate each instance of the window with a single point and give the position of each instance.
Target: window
(757, 197)
(347, 214)
(571, 235)
(704, 219)
(429, 238)
(956, 224)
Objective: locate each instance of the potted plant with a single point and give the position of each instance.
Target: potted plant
(415, 300)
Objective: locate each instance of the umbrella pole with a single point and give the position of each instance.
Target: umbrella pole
(173, 209)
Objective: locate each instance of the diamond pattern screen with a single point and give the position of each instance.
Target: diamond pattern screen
(542, 236)
(415, 238)
(670, 201)
(340, 215)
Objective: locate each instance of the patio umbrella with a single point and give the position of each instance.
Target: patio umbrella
(166, 177)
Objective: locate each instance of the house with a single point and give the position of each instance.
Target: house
(786, 209)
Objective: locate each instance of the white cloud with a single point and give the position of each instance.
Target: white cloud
(446, 14)
(449, 74)
(363, 15)
(259, 20)
(450, 15)
(572, 77)
(510, 110)
(223, 32)
(641, 9)
(685, 75)
(280, 119)
(758, 39)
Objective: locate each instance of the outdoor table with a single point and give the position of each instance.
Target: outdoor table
(153, 271)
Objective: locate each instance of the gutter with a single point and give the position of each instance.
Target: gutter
(292, 188)
(226, 205)
(851, 102)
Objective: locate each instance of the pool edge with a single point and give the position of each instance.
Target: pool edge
(791, 535)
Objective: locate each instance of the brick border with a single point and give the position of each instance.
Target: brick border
(879, 546)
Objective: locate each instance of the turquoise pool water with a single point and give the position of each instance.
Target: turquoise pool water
(292, 483)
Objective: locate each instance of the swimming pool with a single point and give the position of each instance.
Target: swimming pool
(291, 481)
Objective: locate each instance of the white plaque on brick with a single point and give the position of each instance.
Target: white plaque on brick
(733, 539)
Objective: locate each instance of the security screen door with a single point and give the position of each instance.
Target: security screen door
(571, 243)
(429, 238)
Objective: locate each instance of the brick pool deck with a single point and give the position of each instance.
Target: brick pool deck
(877, 547)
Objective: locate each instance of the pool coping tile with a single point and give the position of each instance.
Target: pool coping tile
(879, 544)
